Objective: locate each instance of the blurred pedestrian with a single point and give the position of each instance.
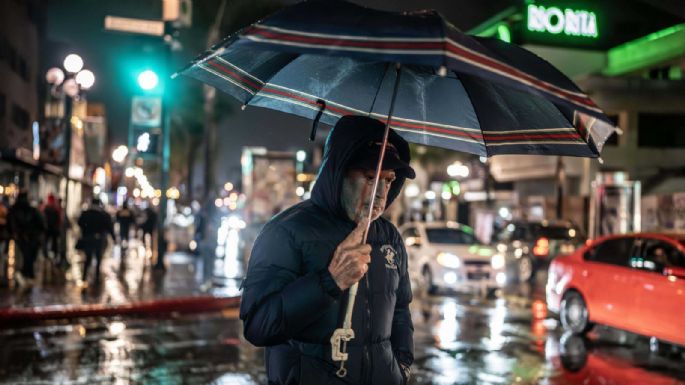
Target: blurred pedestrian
(26, 227)
(4, 237)
(206, 234)
(53, 221)
(95, 225)
(125, 218)
(149, 224)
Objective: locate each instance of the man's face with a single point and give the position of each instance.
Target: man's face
(357, 189)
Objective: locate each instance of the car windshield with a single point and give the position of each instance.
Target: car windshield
(554, 232)
(450, 236)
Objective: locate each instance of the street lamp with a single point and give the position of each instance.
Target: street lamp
(85, 79)
(73, 63)
(66, 88)
(54, 76)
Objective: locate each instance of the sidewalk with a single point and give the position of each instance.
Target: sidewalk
(127, 285)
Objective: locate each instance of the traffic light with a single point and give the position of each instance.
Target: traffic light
(148, 80)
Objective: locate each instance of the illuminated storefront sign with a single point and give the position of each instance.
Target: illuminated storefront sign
(556, 21)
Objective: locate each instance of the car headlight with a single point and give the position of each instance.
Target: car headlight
(449, 260)
(497, 261)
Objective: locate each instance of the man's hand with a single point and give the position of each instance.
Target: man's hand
(351, 259)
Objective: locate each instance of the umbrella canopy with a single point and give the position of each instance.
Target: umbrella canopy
(477, 95)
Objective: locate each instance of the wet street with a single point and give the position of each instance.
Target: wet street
(459, 340)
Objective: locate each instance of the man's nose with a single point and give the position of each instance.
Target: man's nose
(382, 190)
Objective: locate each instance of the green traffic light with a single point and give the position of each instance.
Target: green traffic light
(148, 80)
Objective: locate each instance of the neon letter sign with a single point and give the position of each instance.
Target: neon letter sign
(555, 21)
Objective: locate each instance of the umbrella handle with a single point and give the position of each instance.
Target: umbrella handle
(343, 335)
(322, 106)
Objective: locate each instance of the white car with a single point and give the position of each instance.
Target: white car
(447, 255)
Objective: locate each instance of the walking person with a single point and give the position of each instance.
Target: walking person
(4, 238)
(27, 227)
(149, 225)
(125, 218)
(95, 225)
(53, 221)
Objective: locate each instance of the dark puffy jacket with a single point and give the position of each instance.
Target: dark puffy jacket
(290, 302)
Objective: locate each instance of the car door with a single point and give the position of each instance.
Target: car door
(661, 295)
(606, 281)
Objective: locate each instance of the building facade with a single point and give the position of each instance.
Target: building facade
(629, 56)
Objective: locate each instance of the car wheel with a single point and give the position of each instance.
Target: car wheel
(574, 315)
(525, 269)
(428, 284)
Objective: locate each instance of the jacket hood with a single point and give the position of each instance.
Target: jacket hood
(349, 134)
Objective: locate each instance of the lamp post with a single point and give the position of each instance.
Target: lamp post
(67, 88)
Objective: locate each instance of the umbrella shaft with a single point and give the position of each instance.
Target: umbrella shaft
(347, 323)
(379, 166)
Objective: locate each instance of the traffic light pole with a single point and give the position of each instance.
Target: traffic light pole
(166, 138)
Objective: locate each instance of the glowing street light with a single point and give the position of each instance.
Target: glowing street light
(412, 190)
(143, 143)
(228, 186)
(119, 154)
(85, 79)
(54, 76)
(73, 63)
(457, 169)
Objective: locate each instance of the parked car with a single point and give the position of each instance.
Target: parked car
(447, 255)
(633, 282)
(536, 243)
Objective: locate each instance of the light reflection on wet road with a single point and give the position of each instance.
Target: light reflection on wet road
(459, 340)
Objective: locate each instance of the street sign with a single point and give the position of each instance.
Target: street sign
(146, 111)
(180, 12)
(141, 26)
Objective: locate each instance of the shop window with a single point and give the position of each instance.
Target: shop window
(23, 69)
(661, 130)
(20, 117)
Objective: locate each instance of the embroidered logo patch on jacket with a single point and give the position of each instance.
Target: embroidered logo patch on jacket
(389, 254)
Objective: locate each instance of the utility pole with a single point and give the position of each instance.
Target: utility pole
(164, 182)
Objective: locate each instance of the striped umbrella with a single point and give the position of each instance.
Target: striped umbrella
(461, 92)
(424, 78)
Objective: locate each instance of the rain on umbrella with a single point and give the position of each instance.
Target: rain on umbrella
(414, 71)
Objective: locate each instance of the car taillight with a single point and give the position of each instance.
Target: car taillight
(541, 248)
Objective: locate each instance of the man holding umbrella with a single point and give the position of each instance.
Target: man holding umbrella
(306, 257)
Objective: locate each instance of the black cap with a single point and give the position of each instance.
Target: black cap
(366, 158)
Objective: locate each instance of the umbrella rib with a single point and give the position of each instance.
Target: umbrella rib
(475, 111)
(378, 88)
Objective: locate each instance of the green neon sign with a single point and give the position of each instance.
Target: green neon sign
(555, 21)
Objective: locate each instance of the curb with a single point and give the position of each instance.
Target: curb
(179, 304)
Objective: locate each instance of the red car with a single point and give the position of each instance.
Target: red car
(634, 282)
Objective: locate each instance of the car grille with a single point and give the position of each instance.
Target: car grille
(476, 276)
(477, 263)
